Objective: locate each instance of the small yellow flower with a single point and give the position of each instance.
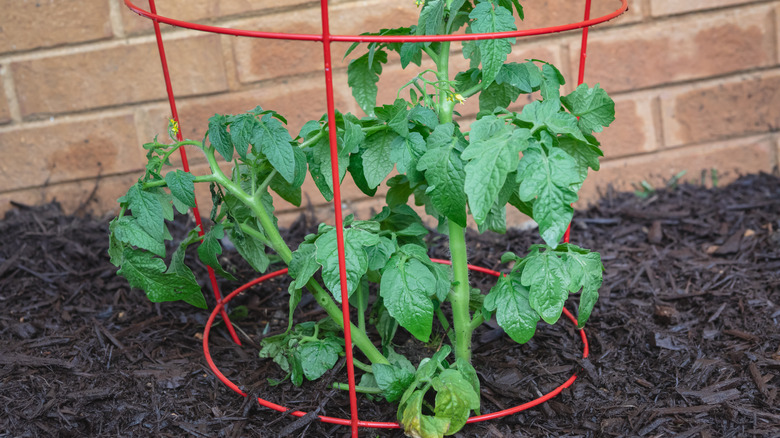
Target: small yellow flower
(173, 126)
(419, 2)
(453, 97)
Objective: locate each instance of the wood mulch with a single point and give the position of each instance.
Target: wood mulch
(685, 339)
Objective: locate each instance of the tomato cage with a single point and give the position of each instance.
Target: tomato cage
(326, 38)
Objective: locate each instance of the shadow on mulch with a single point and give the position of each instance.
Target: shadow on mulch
(684, 340)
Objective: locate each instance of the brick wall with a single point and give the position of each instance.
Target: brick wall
(697, 85)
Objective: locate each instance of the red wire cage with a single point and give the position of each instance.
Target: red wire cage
(326, 38)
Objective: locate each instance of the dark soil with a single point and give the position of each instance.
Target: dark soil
(685, 339)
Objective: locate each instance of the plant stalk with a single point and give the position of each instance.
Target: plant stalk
(459, 296)
(359, 338)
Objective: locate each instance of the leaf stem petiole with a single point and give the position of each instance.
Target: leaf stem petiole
(358, 388)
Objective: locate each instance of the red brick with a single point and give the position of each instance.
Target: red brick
(197, 10)
(30, 25)
(730, 159)
(186, 10)
(67, 151)
(633, 131)
(265, 59)
(299, 101)
(94, 196)
(116, 76)
(5, 112)
(669, 7)
(546, 13)
(740, 106)
(690, 47)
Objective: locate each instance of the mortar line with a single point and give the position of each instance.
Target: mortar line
(115, 18)
(10, 94)
(776, 32)
(658, 123)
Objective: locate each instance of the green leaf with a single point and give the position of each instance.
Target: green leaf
(443, 279)
(317, 357)
(273, 140)
(377, 162)
(526, 77)
(424, 116)
(428, 367)
(358, 175)
(406, 152)
(182, 186)
(379, 254)
(355, 258)
(417, 425)
(490, 18)
(546, 178)
(275, 348)
(508, 4)
(398, 191)
(291, 192)
(431, 21)
(470, 374)
(497, 96)
(396, 116)
(148, 210)
(166, 202)
(190, 291)
(586, 156)
(585, 270)
(295, 299)
(362, 77)
(392, 380)
(319, 160)
(386, 325)
(455, 398)
(411, 52)
(210, 248)
(115, 246)
(492, 154)
(351, 135)
(405, 290)
(251, 249)
(495, 220)
(594, 108)
(544, 276)
(552, 79)
(219, 137)
(547, 114)
(296, 367)
(509, 298)
(445, 174)
(467, 79)
(242, 128)
(146, 272)
(127, 229)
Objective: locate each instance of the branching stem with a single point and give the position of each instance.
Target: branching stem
(275, 240)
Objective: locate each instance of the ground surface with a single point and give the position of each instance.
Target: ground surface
(685, 340)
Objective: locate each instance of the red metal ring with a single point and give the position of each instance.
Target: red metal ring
(374, 38)
(363, 423)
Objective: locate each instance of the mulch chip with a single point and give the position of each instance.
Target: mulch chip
(684, 340)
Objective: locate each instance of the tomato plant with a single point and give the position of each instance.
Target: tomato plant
(534, 160)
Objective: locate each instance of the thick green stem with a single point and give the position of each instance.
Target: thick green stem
(358, 388)
(459, 296)
(162, 183)
(277, 243)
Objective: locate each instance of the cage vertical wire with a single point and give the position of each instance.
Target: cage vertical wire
(326, 38)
